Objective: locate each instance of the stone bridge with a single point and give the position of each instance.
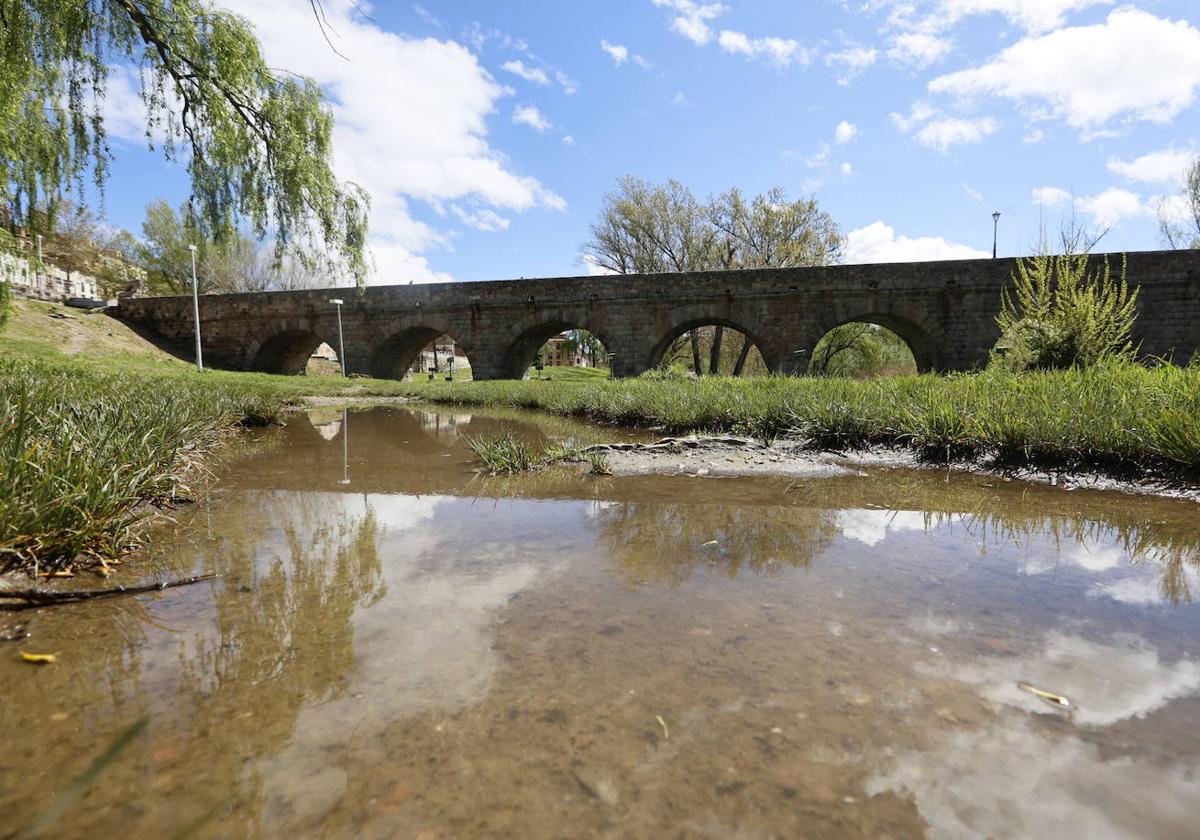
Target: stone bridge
(944, 311)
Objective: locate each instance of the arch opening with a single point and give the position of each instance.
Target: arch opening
(289, 353)
(710, 347)
(324, 361)
(557, 350)
(421, 353)
(872, 346)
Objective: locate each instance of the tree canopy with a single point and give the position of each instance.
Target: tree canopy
(647, 228)
(256, 141)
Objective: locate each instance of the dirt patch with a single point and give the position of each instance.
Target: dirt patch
(734, 456)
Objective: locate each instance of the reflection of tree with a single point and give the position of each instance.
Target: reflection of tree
(668, 542)
(283, 641)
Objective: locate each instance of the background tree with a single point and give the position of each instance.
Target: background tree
(234, 264)
(257, 143)
(646, 228)
(1179, 218)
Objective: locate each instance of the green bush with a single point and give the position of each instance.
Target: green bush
(1062, 313)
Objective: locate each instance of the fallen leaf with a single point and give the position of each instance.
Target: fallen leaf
(711, 542)
(39, 658)
(59, 717)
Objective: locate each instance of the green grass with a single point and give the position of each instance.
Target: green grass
(1120, 417)
(82, 450)
(569, 374)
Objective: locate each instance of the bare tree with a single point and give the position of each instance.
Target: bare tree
(648, 228)
(1179, 216)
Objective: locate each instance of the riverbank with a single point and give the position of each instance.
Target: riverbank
(1122, 421)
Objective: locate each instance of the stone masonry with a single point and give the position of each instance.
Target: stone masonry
(945, 311)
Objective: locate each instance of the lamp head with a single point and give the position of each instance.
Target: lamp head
(996, 216)
(192, 248)
(336, 301)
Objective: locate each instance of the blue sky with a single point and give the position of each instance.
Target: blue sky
(488, 132)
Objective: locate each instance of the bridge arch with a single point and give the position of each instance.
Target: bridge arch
(396, 354)
(918, 337)
(695, 321)
(287, 352)
(521, 351)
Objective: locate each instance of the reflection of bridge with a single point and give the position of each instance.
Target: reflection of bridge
(945, 311)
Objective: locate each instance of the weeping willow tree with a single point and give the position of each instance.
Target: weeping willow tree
(256, 141)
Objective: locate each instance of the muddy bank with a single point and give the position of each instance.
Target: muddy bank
(700, 456)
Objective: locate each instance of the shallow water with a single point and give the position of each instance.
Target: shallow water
(399, 647)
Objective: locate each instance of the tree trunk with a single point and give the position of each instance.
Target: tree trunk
(435, 356)
(695, 339)
(741, 359)
(714, 356)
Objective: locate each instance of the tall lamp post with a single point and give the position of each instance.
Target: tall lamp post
(995, 231)
(341, 344)
(196, 310)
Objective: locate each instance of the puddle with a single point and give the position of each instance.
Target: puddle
(398, 646)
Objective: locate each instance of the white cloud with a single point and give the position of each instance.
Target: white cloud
(619, 52)
(781, 52)
(426, 15)
(919, 49)
(529, 74)
(483, 219)
(878, 243)
(529, 115)
(1050, 196)
(1134, 66)
(853, 61)
(429, 144)
(1175, 208)
(847, 169)
(692, 18)
(1168, 166)
(569, 86)
(1034, 16)
(975, 194)
(817, 160)
(1112, 207)
(568, 140)
(919, 113)
(942, 134)
(845, 132)
(593, 268)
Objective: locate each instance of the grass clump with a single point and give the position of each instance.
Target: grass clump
(507, 453)
(83, 450)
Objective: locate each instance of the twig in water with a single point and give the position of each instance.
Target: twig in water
(38, 598)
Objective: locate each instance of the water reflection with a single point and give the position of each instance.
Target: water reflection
(669, 542)
(425, 650)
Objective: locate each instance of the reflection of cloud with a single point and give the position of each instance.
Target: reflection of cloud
(1088, 554)
(1106, 682)
(1175, 581)
(871, 527)
(401, 513)
(997, 783)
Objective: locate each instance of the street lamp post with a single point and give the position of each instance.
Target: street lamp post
(995, 231)
(196, 310)
(341, 343)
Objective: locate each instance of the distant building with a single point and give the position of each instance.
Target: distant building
(562, 351)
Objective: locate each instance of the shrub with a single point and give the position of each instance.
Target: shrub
(1062, 313)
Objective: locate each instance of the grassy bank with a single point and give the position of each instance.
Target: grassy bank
(1120, 418)
(97, 424)
(83, 450)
